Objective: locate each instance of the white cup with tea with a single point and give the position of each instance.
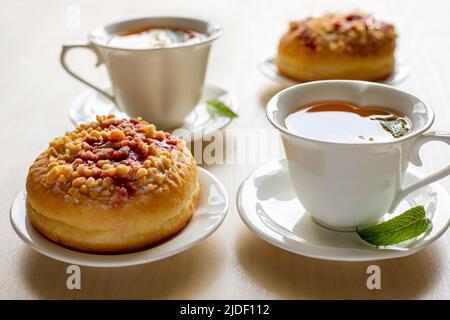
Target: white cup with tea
(156, 65)
(348, 145)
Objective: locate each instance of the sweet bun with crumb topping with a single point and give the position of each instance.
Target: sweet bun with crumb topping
(338, 46)
(112, 186)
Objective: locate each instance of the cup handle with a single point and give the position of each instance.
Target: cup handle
(415, 159)
(66, 48)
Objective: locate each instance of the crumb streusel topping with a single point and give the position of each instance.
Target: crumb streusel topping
(112, 159)
(353, 33)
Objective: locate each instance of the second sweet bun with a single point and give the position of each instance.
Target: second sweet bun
(338, 46)
(112, 186)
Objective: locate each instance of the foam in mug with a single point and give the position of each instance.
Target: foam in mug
(337, 121)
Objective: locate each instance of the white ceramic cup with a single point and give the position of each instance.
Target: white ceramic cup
(349, 185)
(161, 85)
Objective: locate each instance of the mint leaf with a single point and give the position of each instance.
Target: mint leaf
(406, 226)
(175, 36)
(397, 127)
(215, 106)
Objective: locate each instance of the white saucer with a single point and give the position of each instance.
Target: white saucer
(268, 68)
(267, 204)
(210, 213)
(91, 103)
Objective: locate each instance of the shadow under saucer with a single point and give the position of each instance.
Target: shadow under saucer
(291, 276)
(181, 276)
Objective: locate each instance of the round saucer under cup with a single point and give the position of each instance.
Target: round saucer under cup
(198, 124)
(269, 207)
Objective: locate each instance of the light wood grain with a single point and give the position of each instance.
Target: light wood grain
(233, 263)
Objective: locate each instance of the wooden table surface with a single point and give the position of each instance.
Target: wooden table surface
(233, 263)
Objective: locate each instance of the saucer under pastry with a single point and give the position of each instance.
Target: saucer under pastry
(267, 67)
(198, 123)
(268, 206)
(209, 215)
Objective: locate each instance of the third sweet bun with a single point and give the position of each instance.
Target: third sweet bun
(338, 46)
(112, 186)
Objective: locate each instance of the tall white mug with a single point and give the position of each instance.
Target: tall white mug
(162, 85)
(349, 185)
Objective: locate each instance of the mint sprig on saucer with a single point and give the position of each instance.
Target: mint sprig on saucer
(215, 107)
(406, 226)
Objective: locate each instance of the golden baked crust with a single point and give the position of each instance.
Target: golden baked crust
(338, 46)
(112, 186)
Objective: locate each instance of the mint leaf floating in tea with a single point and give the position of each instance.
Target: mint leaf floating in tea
(398, 127)
(406, 226)
(217, 107)
(175, 36)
